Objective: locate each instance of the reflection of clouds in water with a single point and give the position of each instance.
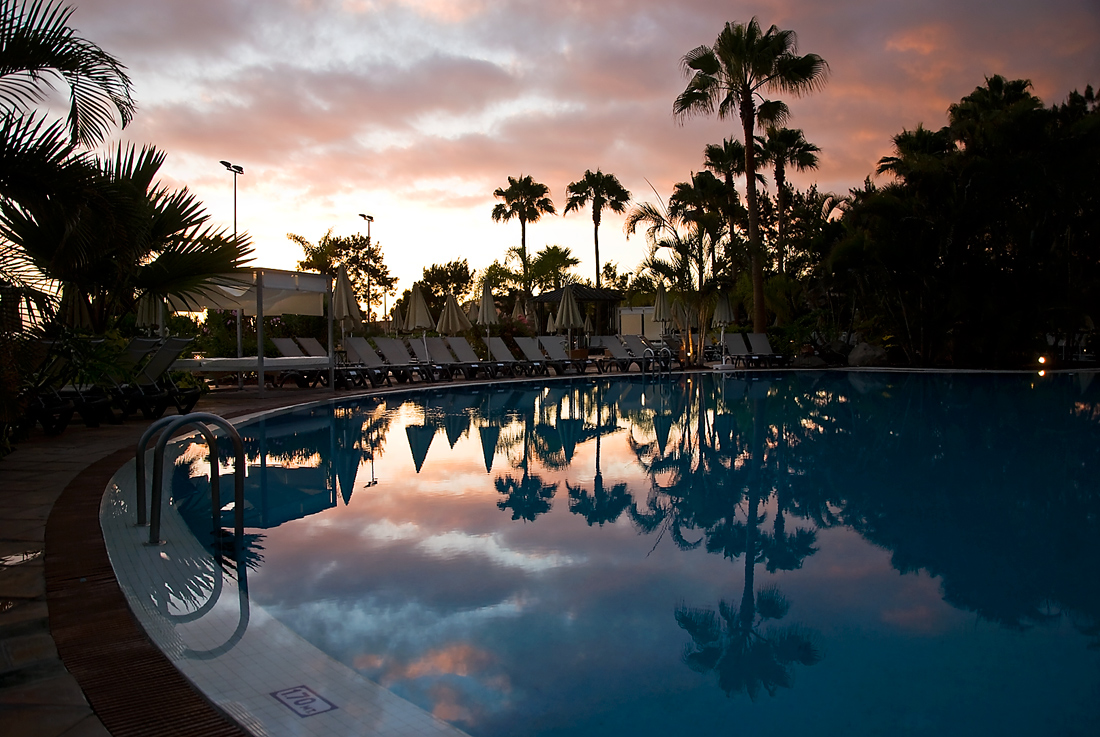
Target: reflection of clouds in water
(371, 635)
(454, 544)
(388, 531)
(488, 546)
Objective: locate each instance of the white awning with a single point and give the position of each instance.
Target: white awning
(285, 293)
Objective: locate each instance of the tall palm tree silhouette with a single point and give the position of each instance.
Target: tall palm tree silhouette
(603, 191)
(780, 147)
(525, 200)
(728, 78)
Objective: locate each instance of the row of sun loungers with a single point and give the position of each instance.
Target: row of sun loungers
(137, 381)
(433, 359)
(758, 352)
(438, 359)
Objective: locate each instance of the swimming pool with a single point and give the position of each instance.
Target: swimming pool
(849, 553)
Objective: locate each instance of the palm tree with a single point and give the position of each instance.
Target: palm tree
(690, 227)
(780, 147)
(603, 190)
(123, 237)
(728, 162)
(527, 201)
(550, 268)
(37, 43)
(728, 77)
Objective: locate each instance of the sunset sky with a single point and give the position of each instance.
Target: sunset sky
(414, 111)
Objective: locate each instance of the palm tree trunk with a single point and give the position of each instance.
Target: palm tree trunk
(733, 261)
(781, 203)
(748, 122)
(748, 597)
(596, 240)
(523, 256)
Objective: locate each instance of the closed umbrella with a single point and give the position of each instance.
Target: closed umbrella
(150, 312)
(397, 319)
(345, 306)
(662, 311)
(472, 312)
(551, 326)
(487, 309)
(452, 320)
(73, 310)
(569, 313)
(418, 317)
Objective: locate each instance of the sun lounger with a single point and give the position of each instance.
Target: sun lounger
(738, 352)
(345, 376)
(534, 355)
(151, 390)
(440, 356)
(303, 379)
(439, 369)
(498, 349)
(555, 348)
(400, 362)
(367, 361)
(312, 347)
(620, 357)
(650, 357)
(81, 379)
(464, 352)
(760, 346)
(288, 347)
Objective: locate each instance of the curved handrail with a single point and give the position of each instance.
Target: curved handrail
(139, 461)
(199, 420)
(666, 359)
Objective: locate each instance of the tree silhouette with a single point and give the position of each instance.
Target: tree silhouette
(727, 78)
(525, 200)
(603, 191)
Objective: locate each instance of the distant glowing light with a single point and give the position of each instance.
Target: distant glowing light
(1042, 373)
(1042, 359)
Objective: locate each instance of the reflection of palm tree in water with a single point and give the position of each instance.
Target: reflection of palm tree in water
(602, 505)
(746, 655)
(529, 496)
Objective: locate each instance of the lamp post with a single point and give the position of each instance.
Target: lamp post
(369, 219)
(236, 169)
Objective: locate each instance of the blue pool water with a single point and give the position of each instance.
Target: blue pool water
(841, 554)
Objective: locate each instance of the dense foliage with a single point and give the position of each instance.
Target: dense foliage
(986, 240)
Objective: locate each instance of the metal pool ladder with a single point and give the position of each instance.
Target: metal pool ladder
(167, 426)
(660, 361)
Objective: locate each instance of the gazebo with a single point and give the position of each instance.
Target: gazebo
(604, 302)
(260, 292)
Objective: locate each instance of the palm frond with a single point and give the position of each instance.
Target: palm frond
(37, 44)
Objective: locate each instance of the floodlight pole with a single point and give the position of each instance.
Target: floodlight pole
(235, 170)
(369, 219)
